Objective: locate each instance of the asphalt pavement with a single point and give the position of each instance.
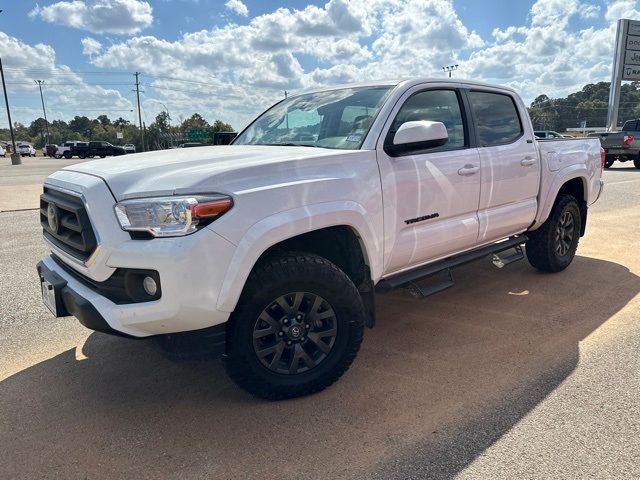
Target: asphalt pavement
(510, 374)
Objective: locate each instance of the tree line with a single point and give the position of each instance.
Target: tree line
(158, 135)
(589, 105)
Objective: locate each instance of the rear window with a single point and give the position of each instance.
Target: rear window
(497, 118)
(630, 125)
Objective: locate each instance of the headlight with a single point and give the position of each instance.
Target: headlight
(171, 216)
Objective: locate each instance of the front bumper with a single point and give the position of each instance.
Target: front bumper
(71, 302)
(209, 341)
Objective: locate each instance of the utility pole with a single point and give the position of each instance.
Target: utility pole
(139, 112)
(450, 69)
(168, 121)
(46, 123)
(15, 156)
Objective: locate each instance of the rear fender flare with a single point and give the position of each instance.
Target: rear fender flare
(563, 176)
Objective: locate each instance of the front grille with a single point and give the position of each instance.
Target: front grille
(70, 230)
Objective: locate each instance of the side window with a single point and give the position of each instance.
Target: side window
(497, 118)
(436, 106)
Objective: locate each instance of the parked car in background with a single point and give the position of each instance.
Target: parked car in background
(129, 148)
(64, 150)
(97, 149)
(622, 146)
(3, 152)
(548, 134)
(190, 144)
(49, 150)
(26, 150)
(269, 250)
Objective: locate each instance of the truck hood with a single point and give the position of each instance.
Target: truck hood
(199, 170)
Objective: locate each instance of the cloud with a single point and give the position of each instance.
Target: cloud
(343, 40)
(65, 91)
(234, 71)
(98, 16)
(237, 7)
(90, 46)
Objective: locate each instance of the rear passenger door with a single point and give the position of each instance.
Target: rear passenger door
(509, 162)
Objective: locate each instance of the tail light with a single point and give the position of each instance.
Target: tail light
(603, 157)
(628, 138)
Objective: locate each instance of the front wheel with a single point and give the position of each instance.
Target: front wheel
(82, 156)
(297, 327)
(636, 163)
(552, 247)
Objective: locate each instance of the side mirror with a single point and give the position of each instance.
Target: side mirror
(417, 136)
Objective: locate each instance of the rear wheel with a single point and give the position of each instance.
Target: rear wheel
(297, 328)
(608, 161)
(67, 155)
(636, 163)
(82, 156)
(553, 246)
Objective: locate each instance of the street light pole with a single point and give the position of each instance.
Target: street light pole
(46, 123)
(15, 156)
(450, 69)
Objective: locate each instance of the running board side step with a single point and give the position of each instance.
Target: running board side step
(412, 276)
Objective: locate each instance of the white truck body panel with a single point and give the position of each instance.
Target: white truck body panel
(480, 195)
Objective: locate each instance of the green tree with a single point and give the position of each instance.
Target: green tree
(194, 121)
(220, 126)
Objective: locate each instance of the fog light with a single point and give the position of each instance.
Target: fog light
(149, 285)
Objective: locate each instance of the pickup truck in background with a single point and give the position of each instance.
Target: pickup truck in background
(269, 251)
(65, 150)
(97, 149)
(622, 146)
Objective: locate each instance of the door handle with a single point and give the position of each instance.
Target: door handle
(468, 170)
(527, 161)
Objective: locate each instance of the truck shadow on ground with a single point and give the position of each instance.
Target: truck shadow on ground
(436, 383)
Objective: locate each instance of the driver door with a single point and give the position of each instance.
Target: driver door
(431, 196)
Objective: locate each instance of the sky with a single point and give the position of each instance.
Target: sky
(231, 59)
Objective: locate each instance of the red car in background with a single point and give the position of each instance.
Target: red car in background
(50, 149)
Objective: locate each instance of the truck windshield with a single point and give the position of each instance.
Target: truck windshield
(330, 119)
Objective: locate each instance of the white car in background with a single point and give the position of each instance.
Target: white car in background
(26, 150)
(129, 148)
(3, 152)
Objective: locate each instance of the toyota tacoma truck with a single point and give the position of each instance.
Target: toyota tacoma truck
(622, 146)
(269, 251)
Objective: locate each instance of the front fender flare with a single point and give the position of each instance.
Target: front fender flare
(290, 223)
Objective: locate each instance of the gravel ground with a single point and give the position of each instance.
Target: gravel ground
(510, 374)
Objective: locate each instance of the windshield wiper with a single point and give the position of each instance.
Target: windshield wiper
(288, 145)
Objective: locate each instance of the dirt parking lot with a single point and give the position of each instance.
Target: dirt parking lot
(510, 374)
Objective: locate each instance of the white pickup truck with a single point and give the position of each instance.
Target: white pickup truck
(269, 250)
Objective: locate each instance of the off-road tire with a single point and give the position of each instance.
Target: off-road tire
(541, 246)
(608, 161)
(67, 155)
(269, 280)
